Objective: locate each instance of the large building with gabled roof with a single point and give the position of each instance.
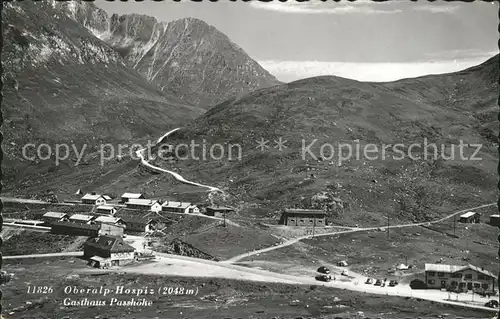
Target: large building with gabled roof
(465, 278)
(111, 250)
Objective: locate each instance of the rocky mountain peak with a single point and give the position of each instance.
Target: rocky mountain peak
(188, 57)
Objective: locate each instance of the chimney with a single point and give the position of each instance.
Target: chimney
(93, 193)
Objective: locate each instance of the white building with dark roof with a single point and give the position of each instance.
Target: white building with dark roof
(179, 207)
(144, 204)
(94, 199)
(105, 210)
(466, 278)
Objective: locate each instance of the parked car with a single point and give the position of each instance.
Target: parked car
(369, 281)
(492, 304)
(323, 277)
(418, 284)
(342, 263)
(378, 282)
(323, 270)
(345, 272)
(393, 283)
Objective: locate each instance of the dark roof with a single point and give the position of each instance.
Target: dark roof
(141, 221)
(220, 208)
(455, 268)
(296, 211)
(112, 243)
(76, 225)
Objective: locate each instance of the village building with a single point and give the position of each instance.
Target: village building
(470, 217)
(94, 199)
(81, 219)
(127, 196)
(50, 217)
(105, 210)
(218, 211)
(109, 220)
(178, 207)
(439, 276)
(144, 204)
(74, 229)
(108, 250)
(138, 225)
(111, 229)
(304, 217)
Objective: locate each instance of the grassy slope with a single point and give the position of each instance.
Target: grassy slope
(336, 110)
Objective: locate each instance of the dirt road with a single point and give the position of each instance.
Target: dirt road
(295, 240)
(140, 154)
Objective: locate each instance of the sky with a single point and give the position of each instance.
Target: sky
(362, 40)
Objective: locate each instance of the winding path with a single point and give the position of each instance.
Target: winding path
(140, 154)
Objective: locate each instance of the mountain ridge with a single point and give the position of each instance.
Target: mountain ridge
(445, 109)
(187, 56)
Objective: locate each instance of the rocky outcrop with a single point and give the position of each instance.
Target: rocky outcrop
(63, 84)
(187, 57)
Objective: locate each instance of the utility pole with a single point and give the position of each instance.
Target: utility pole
(387, 226)
(454, 224)
(224, 218)
(314, 224)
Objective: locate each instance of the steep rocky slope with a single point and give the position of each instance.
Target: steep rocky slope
(188, 57)
(62, 84)
(324, 112)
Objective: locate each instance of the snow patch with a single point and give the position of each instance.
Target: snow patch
(72, 7)
(45, 53)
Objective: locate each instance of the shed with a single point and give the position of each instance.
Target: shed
(304, 217)
(109, 220)
(177, 207)
(470, 217)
